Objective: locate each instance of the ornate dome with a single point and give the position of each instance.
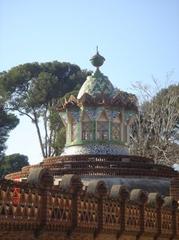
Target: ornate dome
(97, 85)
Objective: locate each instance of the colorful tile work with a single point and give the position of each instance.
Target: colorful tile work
(96, 85)
(95, 149)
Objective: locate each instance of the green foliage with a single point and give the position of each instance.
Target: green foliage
(35, 89)
(12, 163)
(33, 84)
(8, 121)
(60, 140)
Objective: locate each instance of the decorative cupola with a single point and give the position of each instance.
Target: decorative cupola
(97, 85)
(98, 120)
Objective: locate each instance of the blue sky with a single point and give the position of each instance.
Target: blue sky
(138, 38)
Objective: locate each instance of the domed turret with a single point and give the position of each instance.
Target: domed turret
(97, 84)
(98, 121)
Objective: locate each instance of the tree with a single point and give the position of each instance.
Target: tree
(155, 129)
(34, 90)
(8, 121)
(12, 163)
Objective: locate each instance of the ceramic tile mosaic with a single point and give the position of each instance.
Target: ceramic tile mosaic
(97, 84)
(94, 149)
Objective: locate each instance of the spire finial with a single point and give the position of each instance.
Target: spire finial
(97, 60)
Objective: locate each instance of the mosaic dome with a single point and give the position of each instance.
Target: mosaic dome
(97, 84)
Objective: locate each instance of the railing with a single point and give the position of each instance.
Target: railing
(111, 215)
(20, 205)
(151, 220)
(167, 222)
(66, 208)
(132, 218)
(59, 210)
(87, 209)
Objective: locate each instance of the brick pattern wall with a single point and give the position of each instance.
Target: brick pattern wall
(67, 211)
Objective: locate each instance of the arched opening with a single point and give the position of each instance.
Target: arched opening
(102, 132)
(86, 127)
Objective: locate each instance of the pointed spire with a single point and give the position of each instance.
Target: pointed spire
(97, 49)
